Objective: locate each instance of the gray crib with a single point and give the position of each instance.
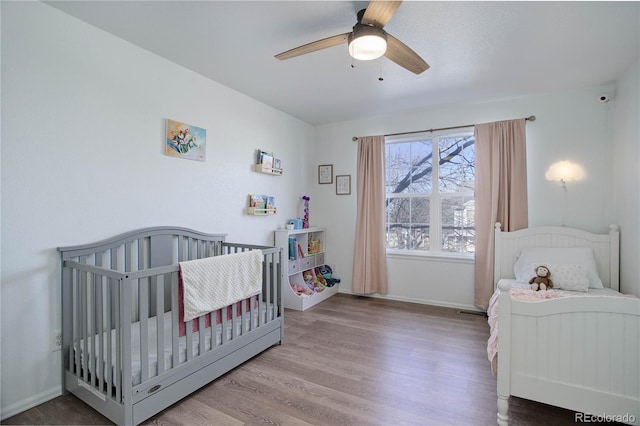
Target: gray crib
(124, 352)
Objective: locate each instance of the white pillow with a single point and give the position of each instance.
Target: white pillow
(569, 276)
(558, 256)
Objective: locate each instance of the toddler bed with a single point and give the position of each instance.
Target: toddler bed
(135, 338)
(576, 349)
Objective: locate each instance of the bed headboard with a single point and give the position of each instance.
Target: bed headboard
(149, 247)
(606, 249)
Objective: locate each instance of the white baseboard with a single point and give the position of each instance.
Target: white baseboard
(25, 404)
(421, 301)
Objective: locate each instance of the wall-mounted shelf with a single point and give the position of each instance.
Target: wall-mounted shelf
(261, 168)
(261, 205)
(260, 212)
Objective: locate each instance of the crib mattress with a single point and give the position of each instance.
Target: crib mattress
(152, 345)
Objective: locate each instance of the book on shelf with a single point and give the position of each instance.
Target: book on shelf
(293, 242)
(266, 159)
(262, 202)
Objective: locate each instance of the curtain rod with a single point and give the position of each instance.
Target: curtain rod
(355, 138)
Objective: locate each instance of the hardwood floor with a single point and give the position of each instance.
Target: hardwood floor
(348, 361)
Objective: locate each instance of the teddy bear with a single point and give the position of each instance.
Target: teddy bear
(542, 280)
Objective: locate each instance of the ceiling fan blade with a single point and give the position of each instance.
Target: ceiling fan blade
(314, 46)
(378, 13)
(402, 55)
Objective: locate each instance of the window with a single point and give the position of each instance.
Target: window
(430, 204)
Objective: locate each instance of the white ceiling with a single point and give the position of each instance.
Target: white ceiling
(478, 51)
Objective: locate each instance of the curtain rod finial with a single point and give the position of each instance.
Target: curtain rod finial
(355, 138)
(531, 118)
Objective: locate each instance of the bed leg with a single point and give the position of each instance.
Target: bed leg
(503, 410)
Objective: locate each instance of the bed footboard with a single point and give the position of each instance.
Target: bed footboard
(125, 350)
(579, 353)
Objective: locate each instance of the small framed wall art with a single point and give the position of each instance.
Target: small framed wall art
(325, 173)
(343, 184)
(185, 141)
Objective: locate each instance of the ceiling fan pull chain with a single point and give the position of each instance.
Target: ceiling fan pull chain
(380, 77)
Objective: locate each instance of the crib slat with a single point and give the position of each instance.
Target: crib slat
(109, 321)
(97, 331)
(201, 334)
(83, 321)
(181, 244)
(277, 303)
(118, 341)
(143, 310)
(125, 352)
(254, 306)
(189, 335)
(99, 324)
(214, 328)
(174, 320)
(202, 248)
(269, 281)
(236, 326)
(271, 313)
(160, 322)
(193, 248)
(244, 327)
(92, 360)
(266, 290)
(223, 324)
(77, 301)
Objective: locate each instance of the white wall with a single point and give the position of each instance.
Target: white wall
(82, 138)
(571, 126)
(627, 176)
(82, 159)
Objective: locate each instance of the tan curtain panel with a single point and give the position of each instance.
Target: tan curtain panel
(369, 260)
(500, 193)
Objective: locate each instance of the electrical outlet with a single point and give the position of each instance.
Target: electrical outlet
(56, 340)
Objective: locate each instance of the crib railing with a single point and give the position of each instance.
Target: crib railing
(108, 290)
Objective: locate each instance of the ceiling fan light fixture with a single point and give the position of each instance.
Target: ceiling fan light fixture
(367, 42)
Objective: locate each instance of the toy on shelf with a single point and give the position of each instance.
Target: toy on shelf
(321, 278)
(312, 282)
(327, 273)
(314, 245)
(301, 290)
(305, 219)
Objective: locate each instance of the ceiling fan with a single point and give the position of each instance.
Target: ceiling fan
(368, 40)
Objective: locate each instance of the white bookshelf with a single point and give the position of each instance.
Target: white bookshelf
(292, 273)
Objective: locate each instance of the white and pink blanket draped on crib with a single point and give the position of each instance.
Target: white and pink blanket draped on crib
(215, 282)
